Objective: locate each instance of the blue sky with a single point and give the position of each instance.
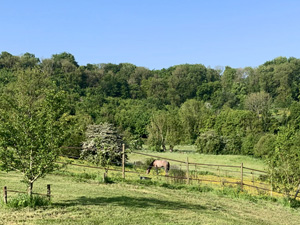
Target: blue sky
(153, 33)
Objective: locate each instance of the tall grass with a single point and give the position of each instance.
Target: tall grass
(24, 200)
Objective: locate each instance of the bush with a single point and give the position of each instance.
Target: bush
(283, 162)
(103, 145)
(265, 145)
(24, 200)
(178, 174)
(209, 142)
(290, 202)
(248, 144)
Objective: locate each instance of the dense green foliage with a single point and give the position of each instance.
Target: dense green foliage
(222, 111)
(33, 125)
(103, 145)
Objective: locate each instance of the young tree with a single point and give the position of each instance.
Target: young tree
(157, 130)
(164, 129)
(283, 162)
(260, 103)
(33, 126)
(193, 115)
(103, 145)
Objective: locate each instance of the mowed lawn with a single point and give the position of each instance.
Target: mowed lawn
(77, 202)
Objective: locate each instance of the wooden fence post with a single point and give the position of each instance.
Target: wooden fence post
(271, 187)
(5, 194)
(187, 171)
(298, 189)
(123, 161)
(242, 174)
(104, 177)
(48, 192)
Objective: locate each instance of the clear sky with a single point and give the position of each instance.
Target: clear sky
(153, 33)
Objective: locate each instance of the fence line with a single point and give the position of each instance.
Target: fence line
(210, 166)
(189, 177)
(187, 163)
(192, 163)
(175, 177)
(5, 191)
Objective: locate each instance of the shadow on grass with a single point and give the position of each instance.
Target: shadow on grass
(131, 202)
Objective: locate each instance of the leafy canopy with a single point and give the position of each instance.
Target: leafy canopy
(33, 125)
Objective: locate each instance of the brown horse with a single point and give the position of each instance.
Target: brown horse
(159, 164)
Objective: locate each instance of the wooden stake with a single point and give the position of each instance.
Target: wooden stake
(104, 177)
(123, 161)
(187, 171)
(242, 176)
(48, 192)
(5, 194)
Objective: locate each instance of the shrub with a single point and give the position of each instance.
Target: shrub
(103, 145)
(209, 142)
(178, 174)
(24, 200)
(248, 144)
(265, 145)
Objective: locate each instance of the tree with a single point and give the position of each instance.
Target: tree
(28, 60)
(174, 129)
(33, 126)
(294, 118)
(235, 125)
(259, 103)
(103, 145)
(193, 115)
(7, 60)
(155, 88)
(228, 78)
(283, 163)
(265, 145)
(157, 130)
(184, 76)
(65, 57)
(164, 129)
(209, 142)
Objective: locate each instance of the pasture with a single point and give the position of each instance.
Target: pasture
(88, 200)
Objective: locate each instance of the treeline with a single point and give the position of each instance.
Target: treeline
(221, 110)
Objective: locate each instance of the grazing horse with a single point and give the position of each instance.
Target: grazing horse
(159, 164)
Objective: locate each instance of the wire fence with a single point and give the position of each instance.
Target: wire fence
(240, 175)
(184, 172)
(192, 173)
(6, 191)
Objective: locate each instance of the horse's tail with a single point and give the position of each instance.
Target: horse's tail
(168, 167)
(150, 166)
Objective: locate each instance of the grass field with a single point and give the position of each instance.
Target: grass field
(182, 152)
(88, 201)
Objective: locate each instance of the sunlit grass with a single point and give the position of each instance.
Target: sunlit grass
(76, 202)
(80, 196)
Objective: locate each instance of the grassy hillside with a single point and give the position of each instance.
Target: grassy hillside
(90, 201)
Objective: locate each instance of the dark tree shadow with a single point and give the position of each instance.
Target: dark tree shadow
(131, 202)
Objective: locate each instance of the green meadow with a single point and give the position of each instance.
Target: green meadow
(78, 199)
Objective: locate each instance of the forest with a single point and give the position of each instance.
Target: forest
(221, 110)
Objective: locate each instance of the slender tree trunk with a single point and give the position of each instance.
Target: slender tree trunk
(164, 147)
(30, 187)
